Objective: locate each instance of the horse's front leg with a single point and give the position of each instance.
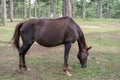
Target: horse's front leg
(66, 55)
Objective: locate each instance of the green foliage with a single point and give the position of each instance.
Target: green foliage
(0, 21)
(91, 7)
(116, 9)
(79, 8)
(114, 6)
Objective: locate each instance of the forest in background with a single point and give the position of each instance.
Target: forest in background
(26, 9)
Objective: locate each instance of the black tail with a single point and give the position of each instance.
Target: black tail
(16, 35)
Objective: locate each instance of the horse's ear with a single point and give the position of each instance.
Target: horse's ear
(89, 48)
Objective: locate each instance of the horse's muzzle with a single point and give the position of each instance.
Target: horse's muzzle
(84, 66)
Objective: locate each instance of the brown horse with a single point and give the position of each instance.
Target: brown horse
(49, 33)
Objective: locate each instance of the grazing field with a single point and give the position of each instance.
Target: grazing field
(46, 63)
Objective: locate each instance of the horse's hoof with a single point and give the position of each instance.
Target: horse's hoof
(68, 73)
(19, 71)
(28, 69)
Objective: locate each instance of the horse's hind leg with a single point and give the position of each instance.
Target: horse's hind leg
(22, 52)
(27, 42)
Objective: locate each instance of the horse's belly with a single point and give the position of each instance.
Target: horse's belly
(49, 41)
(49, 44)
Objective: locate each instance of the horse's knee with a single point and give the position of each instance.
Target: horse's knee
(24, 48)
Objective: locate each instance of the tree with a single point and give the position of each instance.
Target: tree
(97, 9)
(67, 11)
(54, 8)
(24, 9)
(11, 10)
(63, 8)
(73, 3)
(29, 9)
(48, 9)
(21, 9)
(107, 7)
(116, 9)
(35, 9)
(39, 8)
(84, 9)
(79, 8)
(4, 12)
(100, 12)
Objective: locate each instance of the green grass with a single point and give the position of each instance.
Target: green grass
(46, 63)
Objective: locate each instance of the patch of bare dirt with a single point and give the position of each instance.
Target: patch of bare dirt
(89, 26)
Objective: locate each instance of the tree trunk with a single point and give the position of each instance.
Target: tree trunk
(35, 11)
(108, 12)
(73, 3)
(19, 13)
(48, 10)
(54, 8)
(67, 8)
(100, 12)
(24, 10)
(64, 8)
(84, 9)
(14, 9)
(29, 9)
(4, 15)
(39, 8)
(97, 9)
(11, 10)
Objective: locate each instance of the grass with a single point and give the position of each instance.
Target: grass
(46, 63)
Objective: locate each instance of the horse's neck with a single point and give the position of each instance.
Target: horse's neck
(82, 42)
(82, 47)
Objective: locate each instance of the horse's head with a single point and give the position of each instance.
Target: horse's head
(83, 55)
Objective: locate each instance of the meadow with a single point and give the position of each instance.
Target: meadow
(46, 63)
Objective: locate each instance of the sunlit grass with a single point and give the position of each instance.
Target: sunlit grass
(99, 22)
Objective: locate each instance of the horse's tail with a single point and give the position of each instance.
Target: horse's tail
(16, 35)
